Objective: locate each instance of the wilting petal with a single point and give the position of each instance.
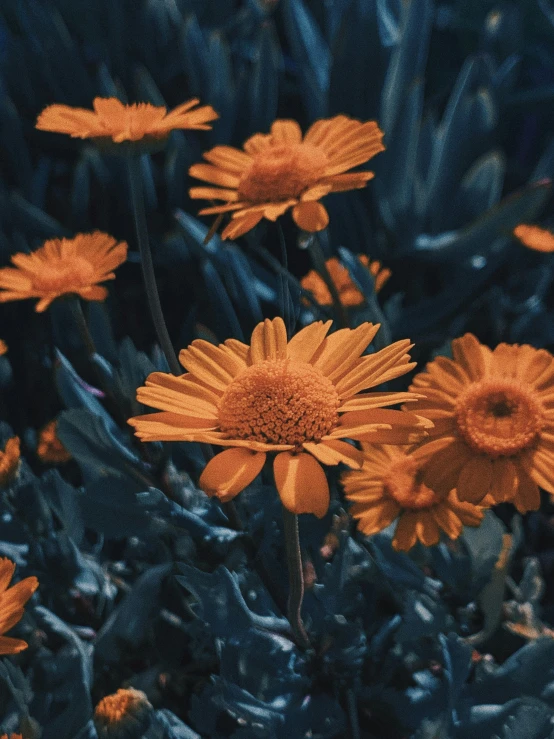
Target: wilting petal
(231, 471)
(310, 216)
(405, 535)
(504, 480)
(475, 479)
(301, 483)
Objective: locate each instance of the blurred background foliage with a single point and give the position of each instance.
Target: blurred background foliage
(441, 643)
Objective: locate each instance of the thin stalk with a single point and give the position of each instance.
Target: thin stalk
(139, 215)
(276, 267)
(353, 713)
(82, 327)
(318, 260)
(296, 578)
(284, 287)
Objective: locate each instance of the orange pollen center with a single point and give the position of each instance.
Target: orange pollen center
(65, 276)
(281, 172)
(499, 418)
(121, 705)
(279, 402)
(403, 484)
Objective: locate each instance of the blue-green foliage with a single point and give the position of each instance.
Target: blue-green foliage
(143, 579)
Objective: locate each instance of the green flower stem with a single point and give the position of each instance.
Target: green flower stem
(139, 214)
(82, 327)
(353, 713)
(296, 578)
(318, 260)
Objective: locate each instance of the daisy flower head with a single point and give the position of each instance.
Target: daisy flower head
(12, 601)
(493, 412)
(113, 122)
(63, 267)
(299, 399)
(11, 736)
(283, 169)
(538, 239)
(9, 460)
(50, 449)
(389, 487)
(349, 293)
(122, 714)
(3, 348)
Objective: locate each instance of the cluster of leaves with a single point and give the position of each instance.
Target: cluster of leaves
(143, 581)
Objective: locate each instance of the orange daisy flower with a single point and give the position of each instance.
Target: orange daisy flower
(11, 736)
(63, 267)
(494, 422)
(49, 448)
(390, 486)
(9, 460)
(12, 601)
(299, 398)
(535, 238)
(282, 170)
(117, 714)
(349, 293)
(112, 119)
(3, 348)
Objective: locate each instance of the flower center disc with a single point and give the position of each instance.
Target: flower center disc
(281, 172)
(499, 418)
(402, 483)
(278, 402)
(63, 277)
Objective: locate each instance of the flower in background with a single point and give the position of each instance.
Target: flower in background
(3, 348)
(299, 398)
(11, 736)
(9, 460)
(349, 293)
(112, 119)
(122, 714)
(49, 448)
(535, 238)
(494, 422)
(63, 267)
(282, 170)
(390, 487)
(12, 601)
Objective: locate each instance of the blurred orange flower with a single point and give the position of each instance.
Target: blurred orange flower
(12, 601)
(112, 119)
(300, 398)
(49, 448)
(11, 736)
(124, 710)
(348, 292)
(282, 170)
(62, 267)
(535, 238)
(494, 422)
(389, 487)
(3, 348)
(9, 460)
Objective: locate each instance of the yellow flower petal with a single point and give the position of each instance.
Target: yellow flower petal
(231, 471)
(301, 483)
